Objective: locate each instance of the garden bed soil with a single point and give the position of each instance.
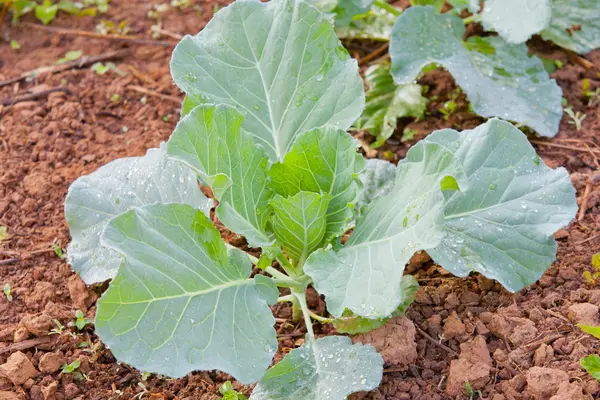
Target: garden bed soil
(509, 346)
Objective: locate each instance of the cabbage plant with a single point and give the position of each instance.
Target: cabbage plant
(270, 94)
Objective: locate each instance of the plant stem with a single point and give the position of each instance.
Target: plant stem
(472, 18)
(289, 297)
(287, 266)
(322, 320)
(301, 298)
(276, 274)
(252, 259)
(387, 7)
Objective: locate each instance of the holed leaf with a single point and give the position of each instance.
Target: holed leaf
(280, 63)
(499, 15)
(93, 200)
(505, 83)
(299, 222)
(502, 224)
(575, 25)
(331, 368)
(180, 301)
(210, 141)
(365, 275)
(386, 102)
(323, 160)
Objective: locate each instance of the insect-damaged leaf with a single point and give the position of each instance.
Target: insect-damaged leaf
(180, 301)
(386, 102)
(502, 223)
(299, 222)
(114, 188)
(280, 63)
(364, 275)
(323, 160)
(506, 83)
(331, 368)
(210, 141)
(533, 16)
(575, 25)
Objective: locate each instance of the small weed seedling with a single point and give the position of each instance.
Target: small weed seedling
(70, 56)
(591, 363)
(80, 320)
(8, 292)
(70, 368)
(592, 277)
(592, 96)
(58, 251)
(264, 127)
(471, 392)
(229, 393)
(576, 118)
(14, 45)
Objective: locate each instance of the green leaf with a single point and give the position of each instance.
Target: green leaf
(533, 17)
(502, 224)
(299, 222)
(96, 198)
(20, 8)
(480, 45)
(229, 393)
(507, 84)
(331, 368)
(374, 25)
(210, 141)
(46, 12)
(471, 5)
(365, 275)
(378, 179)
(323, 160)
(386, 102)
(69, 7)
(575, 25)
(14, 45)
(346, 10)
(280, 63)
(70, 368)
(70, 56)
(592, 330)
(436, 4)
(182, 302)
(354, 324)
(591, 364)
(596, 261)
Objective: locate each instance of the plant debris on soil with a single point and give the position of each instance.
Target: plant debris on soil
(59, 125)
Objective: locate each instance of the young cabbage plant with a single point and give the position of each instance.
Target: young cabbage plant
(270, 94)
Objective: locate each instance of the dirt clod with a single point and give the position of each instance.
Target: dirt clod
(454, 327)
(585, 313)
(544, 382)
(461, 371)
(37, 324)
(18, 368)
(571, 391)
(51, 362)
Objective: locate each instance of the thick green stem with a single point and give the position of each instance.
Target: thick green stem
(301, 298)
(276, 274)
(472, 18)
(387, 7)
(289, 298)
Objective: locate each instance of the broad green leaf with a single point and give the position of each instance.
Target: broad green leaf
(436, 4)
(365, 275)
(20, 8)
(378, 179)
(591, 364)
(386, 102)
(95, 199)
(591, 330)
(374, 25)
(533, 16)
(210, 141)
(346, 10)
(280, 63)
(575, 25)
(46, 12)
(502, 224)
(471, 5)
(331, 368)
(507, 83)
(300, 223)
(354, 324)
(180, 301)
(323, 160)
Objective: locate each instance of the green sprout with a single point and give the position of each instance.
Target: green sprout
(70, 368)
(15, 45)
(70, 56)
(115, 98)
(576, 118)
(592, 278)
(81, 321)
(58, 251)
(8, 292)
(58, 330)
(229, 393)
(472, 392)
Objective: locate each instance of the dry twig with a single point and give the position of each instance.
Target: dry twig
(435, 342)
(26, 344)
(149, 92)
(32, 96)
